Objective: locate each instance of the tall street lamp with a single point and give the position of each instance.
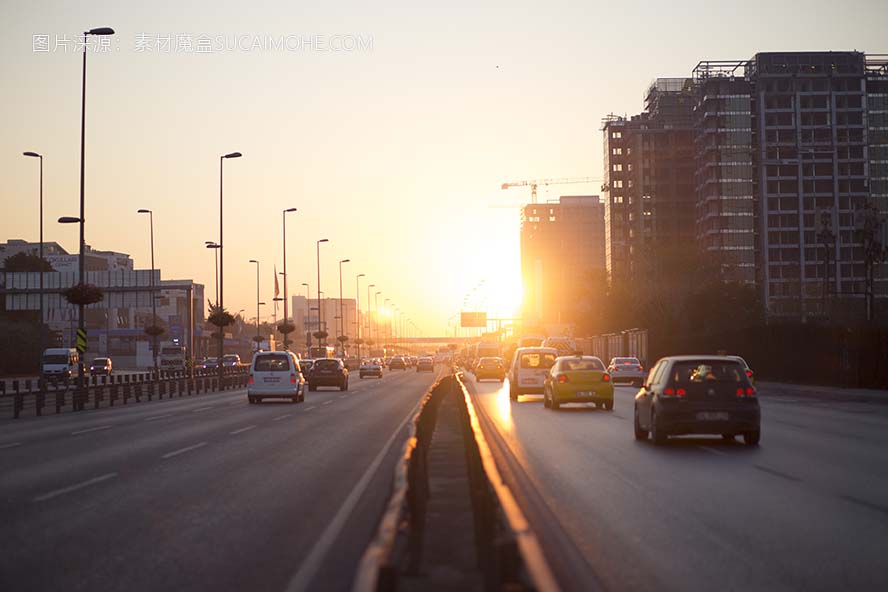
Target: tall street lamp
(342, 327)
(221, 243)
(215, 247)
(358, 307)
(153, 295)
(40, 327)
(81, 268)
(257, 301)
(286, 318)
(318, 249)
(367, 315)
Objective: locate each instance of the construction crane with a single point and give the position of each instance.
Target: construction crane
(533, 184)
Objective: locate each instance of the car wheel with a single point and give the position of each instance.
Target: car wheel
(342, 387)
(546, 402)
(609, 405)
(657, 434)
(512, 394)
(752, 438)
(640, 434)
(250, 399)
(555, 404)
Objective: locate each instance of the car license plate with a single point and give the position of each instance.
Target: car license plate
(528, 381)
(713, 415)
(271, 379)
(585, 393)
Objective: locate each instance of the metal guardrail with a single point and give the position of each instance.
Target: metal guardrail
(108, 390)
(509, 555)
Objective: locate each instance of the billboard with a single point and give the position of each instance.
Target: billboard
(473, 319)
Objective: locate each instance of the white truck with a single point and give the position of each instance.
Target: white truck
(171, 356)
(59, 364)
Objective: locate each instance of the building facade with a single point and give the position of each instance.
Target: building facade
(562, 247)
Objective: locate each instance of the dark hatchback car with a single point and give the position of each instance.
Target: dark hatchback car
(328, 372)
(697, 395)
(397, 363)
(100, 367)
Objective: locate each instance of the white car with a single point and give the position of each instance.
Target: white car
(626, 370)
(275, 375)
(530, 366)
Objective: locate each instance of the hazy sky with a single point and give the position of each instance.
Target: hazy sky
(394, 150)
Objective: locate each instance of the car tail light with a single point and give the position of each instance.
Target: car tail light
(747, 392)
(681, 392)
(251, 379)
(750, 392)
(640, 368)
(562, 378)
(669, 391)
(292, 379)
(606, 378)
(740, 392)
(748, 373)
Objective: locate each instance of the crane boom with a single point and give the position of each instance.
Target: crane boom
(533, 184)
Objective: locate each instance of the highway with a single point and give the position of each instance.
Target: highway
(203, 493)
(806, 510)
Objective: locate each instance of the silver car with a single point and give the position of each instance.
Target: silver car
(626, 370)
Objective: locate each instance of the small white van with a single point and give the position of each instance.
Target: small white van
(59, 364)
(275, 375)
(529, 368)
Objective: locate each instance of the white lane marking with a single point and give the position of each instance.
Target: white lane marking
(303, 577)
(183, 450)
(326, 402)
(242, 430)
(10, 445)
(69, 489)
(714, 451)
(87, 430)
(310, 408)
(201, 409)
(152, 418)
(280, 417)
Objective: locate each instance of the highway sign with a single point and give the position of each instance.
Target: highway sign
(473, 319)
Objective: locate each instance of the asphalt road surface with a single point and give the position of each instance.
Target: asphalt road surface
(806, 510)
(203, 493)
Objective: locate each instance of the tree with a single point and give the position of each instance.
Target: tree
(26, 262)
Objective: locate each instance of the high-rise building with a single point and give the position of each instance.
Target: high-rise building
(648, 180)
(562, 246)
(792, 177)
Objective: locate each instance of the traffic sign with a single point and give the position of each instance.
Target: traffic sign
(473, 319)
(81, 340)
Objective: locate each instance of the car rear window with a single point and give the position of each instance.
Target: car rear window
(626, 361)
(583, 364)
(272, 363)
(327, 364)
(707, 372)
(537, 360)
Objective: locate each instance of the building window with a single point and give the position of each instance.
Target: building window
(616, 135)
(617, 151)
(618, 184)
(618, 168)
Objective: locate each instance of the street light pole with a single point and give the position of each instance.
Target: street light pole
(215, 247)
(358, 308)
(318, 249)
(222, 261)
(257, 301)
(153, 294)
(342, 327)
(40, 326)
(376, 300)
(284, 219)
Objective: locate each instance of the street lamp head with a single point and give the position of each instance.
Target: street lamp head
(143, 211)
(261, 303)
(278, 299)
(69, 220)
(361, 275)
(323, 240)
(289, 210)
(305, 284)
(100, 31)
(253, 261)
(32, 154)
(345, 260)
(212, 246)
(233, 155)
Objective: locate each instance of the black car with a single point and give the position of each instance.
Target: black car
(328, 372)
(697, 395)
(397, 363)
(100, 367)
